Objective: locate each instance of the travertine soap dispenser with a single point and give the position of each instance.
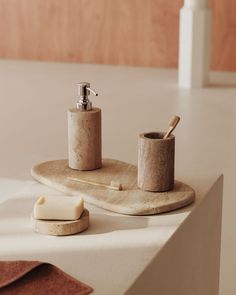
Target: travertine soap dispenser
(84, 132)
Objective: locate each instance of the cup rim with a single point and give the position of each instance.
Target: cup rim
(159, 136)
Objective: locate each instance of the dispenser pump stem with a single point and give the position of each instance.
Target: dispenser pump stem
(84, 104)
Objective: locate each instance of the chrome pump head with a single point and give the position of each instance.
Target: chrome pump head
(84, 104)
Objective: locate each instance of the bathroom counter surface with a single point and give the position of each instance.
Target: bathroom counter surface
(118, 254)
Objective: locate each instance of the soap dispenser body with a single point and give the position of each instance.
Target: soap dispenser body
(84, 139)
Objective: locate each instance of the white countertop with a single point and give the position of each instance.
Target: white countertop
(109, 256)
(33, 128)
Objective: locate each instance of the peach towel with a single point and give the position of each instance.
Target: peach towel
(37, 278)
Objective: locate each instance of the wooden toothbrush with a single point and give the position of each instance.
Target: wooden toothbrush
(173, 123)
(113, 185)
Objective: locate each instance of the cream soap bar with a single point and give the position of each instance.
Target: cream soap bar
(58, 208)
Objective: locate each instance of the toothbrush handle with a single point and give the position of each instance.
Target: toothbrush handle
(173, 123)
(168, 133)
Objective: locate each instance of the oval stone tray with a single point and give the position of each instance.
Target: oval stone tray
(131, 200)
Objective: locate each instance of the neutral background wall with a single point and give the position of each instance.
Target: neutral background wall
(133, 32)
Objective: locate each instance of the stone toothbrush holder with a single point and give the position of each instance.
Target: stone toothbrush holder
(156, 162)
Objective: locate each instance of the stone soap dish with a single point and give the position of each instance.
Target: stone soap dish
(131, 200)
(61, 227)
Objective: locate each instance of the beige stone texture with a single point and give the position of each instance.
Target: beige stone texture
(131, 200)
(156, 162)
(84, 139)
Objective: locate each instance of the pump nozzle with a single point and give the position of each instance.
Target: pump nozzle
(84, 104)
(93, 92)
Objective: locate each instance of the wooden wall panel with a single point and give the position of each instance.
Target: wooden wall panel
(224, 34)
(132, 32)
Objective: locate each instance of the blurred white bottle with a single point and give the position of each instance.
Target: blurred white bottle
(194, 44)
